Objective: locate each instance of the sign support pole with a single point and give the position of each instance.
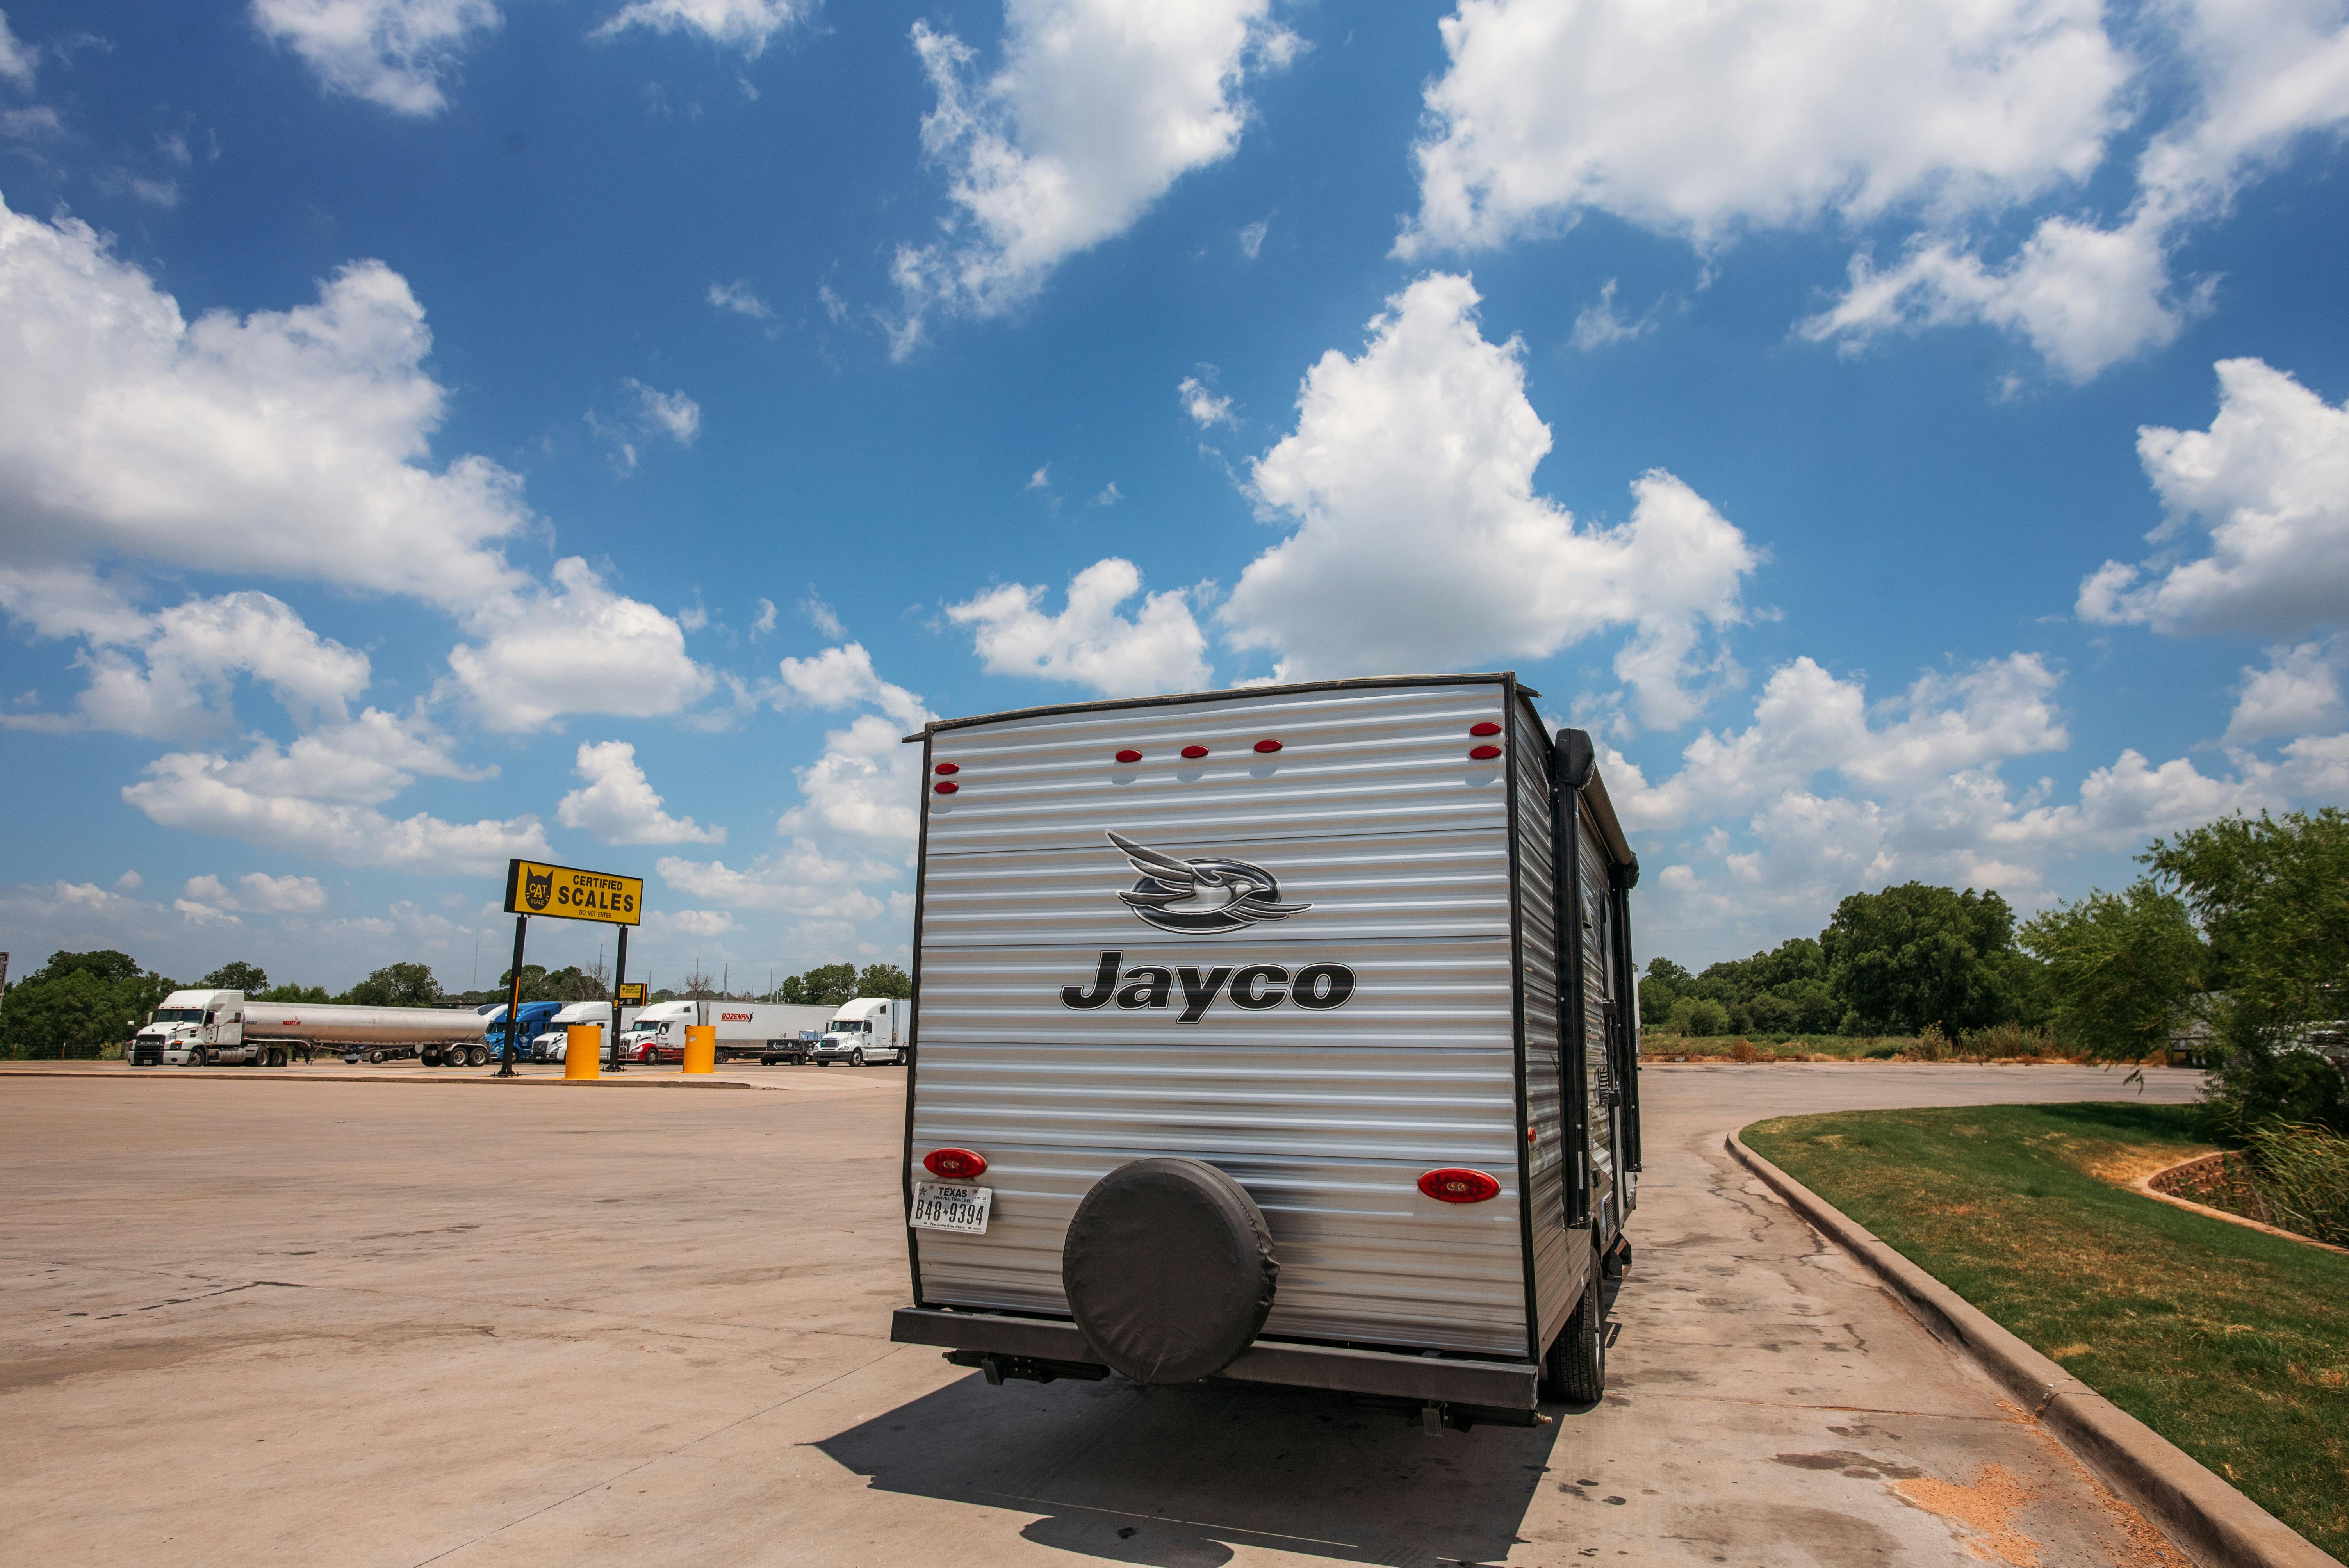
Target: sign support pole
(619, 973)
(513, 1002)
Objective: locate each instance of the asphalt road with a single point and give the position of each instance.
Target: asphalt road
(260, 1321)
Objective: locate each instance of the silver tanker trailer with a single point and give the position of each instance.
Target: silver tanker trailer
(193, 1028)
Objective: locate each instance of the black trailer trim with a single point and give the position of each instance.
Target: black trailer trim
(1177, 699)
(1574, 1075)
(1518, 1010)
(912, 1049)
(1501, 1384)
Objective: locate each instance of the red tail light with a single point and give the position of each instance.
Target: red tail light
(962, 1164)
(1487, 727)
(948, 787)
(1267, 746)
(1129, 757)
(1482, 753)
(946, 768)
(1451, 1186)
(1195, 751)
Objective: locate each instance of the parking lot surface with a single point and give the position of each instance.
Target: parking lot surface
(253, 1320)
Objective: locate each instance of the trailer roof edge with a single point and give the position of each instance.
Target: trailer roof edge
(1488, 677)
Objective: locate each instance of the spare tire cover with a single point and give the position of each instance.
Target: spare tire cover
(1169, 1269)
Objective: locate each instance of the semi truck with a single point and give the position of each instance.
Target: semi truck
(772, 1031)
(553, 1042)
(197, 1029)
(534, 1019)
(868, 1030)
(1285, 1036)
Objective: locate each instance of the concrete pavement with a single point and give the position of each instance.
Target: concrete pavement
(323, 1322)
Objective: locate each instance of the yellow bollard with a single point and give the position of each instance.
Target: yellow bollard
(700, 1048)
(583, 1051)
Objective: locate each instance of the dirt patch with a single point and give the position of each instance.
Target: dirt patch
(2124, 1164)
(1984, 1512)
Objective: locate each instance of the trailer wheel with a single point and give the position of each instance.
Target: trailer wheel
(478, 1054)
(1575, 1370)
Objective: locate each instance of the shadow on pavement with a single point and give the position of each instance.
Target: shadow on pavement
(1177, 1477)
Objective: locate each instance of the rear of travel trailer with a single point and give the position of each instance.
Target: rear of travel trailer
(1247, 1045)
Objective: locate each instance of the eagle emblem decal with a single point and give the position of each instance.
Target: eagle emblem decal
(1197, 897)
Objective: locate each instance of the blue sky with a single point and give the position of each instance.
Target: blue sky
(432, 430)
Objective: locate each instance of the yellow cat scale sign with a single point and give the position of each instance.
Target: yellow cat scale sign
(574, 894)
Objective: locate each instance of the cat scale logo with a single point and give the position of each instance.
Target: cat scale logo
(535, 888)
(1205, 896)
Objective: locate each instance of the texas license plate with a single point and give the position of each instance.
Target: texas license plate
(950, 1206)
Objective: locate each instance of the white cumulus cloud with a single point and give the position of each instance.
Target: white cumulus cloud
(619, 804)
(1701, 119)
(2261, 75)
(743, 24)
(1097, 108)
(2268, 483)
(284, 443)
(2297, 693)
(293, 804)
(582, 649)
(1420, 544)
(18, 60)
(1157, 648)
(396, 53)
(866, 784)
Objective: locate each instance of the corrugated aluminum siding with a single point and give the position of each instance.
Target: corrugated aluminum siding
(1557, 1251)
(1597, 982)
(1374, 814)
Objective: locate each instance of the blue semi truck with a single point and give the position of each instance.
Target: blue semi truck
(465, 1053)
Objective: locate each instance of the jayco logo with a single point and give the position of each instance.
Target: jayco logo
(1199, 897)
(1256, 986)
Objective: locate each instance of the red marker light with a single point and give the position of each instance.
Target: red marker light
(1195, 751)
(1487, 727)
(1129, 757)
(948, 787)
(1459, 1186)
(955, 1164)
(1267, 746)
(1482, 753)
(946, 768)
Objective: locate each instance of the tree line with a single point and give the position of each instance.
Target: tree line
(2234, 944)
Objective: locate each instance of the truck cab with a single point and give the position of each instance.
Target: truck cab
(192, 1028)
(535, 1018)
(868, 1030)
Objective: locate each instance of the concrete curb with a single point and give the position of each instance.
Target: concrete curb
(2209, 1521)
(2144, 1184)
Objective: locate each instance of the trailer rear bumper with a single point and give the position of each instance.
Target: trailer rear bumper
(1438, 1380)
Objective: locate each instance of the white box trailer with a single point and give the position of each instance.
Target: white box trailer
(1242, 1046)
(772, 1031)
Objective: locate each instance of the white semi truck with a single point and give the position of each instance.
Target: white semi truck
(196, 1028)
(1285, 1034)
(772, 1031)
(868, 1030)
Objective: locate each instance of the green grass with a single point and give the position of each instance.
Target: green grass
(2231, 1343)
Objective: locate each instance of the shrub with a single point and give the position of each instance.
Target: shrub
(2303, 1173)
(1701, 1016)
